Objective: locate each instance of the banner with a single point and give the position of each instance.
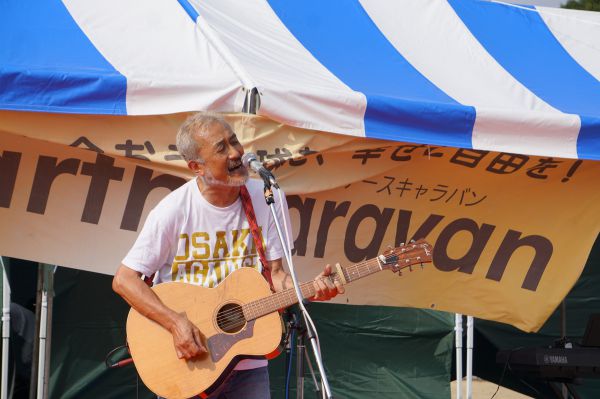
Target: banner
(511, 233)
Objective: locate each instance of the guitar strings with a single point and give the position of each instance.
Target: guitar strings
(270, 301)
(254, 305)
(235, 317)
(225, 317)
(225, 321)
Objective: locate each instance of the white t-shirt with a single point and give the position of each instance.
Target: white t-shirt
(185, 238)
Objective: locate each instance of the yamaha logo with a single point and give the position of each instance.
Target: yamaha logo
(555, 359)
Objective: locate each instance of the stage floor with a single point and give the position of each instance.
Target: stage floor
(485, 389)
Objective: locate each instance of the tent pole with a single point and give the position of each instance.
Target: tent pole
(5, 329)
(470, 323)
(563, 337)
(42, 342)
(36, 342)
(45, 328)
(458, 343)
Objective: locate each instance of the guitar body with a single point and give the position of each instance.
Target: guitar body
(216, 313)
(237, 319)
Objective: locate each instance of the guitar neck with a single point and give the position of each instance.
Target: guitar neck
(283, 299)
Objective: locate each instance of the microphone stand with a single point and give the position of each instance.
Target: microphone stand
(301, 301)
(302, 357)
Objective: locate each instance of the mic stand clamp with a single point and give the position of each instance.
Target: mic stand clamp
(301, 301)
(269, 195)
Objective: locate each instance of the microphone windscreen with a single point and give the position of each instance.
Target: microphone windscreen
(247, 158)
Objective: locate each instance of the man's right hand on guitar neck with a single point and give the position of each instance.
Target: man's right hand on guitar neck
(186, 338)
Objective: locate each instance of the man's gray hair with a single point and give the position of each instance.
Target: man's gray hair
(199, 124)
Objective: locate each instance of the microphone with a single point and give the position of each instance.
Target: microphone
(250, 161)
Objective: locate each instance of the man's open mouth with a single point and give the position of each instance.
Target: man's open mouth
(235, 166)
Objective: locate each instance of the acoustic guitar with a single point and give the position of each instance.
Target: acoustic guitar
(237, 319)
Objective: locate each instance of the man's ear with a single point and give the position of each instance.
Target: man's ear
(196, 167)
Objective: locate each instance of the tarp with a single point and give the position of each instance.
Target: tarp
(462, 73)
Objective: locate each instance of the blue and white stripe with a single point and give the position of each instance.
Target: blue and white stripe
(474, 74)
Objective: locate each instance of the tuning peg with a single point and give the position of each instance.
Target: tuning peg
(410, 268)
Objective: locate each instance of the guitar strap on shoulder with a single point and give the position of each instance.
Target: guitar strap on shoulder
(256, 235)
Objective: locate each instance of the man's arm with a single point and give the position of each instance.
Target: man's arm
(133, 289)
(324, 287)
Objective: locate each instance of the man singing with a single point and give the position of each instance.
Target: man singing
(204, 219)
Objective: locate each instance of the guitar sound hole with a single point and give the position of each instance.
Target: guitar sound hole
(230, 318)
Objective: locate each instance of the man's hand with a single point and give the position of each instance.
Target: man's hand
(186, 337)
(325, 289)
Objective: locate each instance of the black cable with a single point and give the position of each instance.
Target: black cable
(121, 363)
(521, 380)
(526, 383)
(501, 377)
(109, 354)
(504, 369)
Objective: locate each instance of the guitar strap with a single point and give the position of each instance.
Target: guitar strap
(256, 235)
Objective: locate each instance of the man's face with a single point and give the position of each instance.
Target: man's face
(222, 155)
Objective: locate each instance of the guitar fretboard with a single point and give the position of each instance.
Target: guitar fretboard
(283, 299)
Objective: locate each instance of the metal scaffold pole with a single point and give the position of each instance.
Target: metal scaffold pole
(458, 328)
(41, 370)
(5, 330)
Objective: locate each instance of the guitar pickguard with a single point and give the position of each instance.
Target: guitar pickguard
(219, 344)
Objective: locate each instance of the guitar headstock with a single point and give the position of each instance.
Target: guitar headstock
(405, 256)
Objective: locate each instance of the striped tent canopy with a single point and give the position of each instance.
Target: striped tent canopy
(463, 73)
